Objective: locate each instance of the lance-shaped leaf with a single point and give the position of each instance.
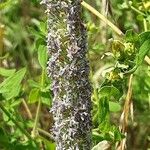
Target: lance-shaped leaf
(10, 87)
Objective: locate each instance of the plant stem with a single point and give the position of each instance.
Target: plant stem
(102, 17)
(15, 122)
(125, 115)
(109, 23)
(35, 131)
(136, 10)
(46, 134)
(27, 109)
(145, 24)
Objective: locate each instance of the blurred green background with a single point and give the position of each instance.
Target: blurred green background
(23, 68)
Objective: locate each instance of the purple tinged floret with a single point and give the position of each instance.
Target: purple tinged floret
(69, 70)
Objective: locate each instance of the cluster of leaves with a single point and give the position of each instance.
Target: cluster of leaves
(128, 55)
(23, 48)
(12, 95)
(23, 89)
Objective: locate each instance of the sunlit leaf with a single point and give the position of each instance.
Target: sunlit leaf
(114, 107)
(5, 4)
(34, 96)
(34, 84)
(39, 42)
(111, 92)
(7, 72)
(43, 27)
(96, 136)
(103, 110)
(49, 144)
(145, 47)
(144, 36)
(46, 98)
(10, 87)
(131, 36)
(42, 56)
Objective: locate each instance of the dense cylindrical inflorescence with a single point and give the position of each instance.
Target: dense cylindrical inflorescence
(69, 70)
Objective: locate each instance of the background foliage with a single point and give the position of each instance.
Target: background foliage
(25, 95)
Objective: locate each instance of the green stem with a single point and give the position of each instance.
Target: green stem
(15, 122)
(27, 109)
(145, 24)
(43, 78)
(136, 10)
(46, 134)
(35, 131)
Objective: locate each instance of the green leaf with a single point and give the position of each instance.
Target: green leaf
(7, 119)
(106, 94)
(35, 1)
(5, 4)
(34, 96)
(140, 17)
(104, 127)
(4, 139)
(96, 136)
(36, 33)
(114, 107)
(10, 87)
(15, 103)
(103, 110)
(131, 36)
(42, 56)
(49, 144)
(143, 37)
(34, 84)
(7, 72)
(145, 47)
(39, 42)
(118, 136)
(43, 27)
(111, 92)
(29, 145)
(46, 98)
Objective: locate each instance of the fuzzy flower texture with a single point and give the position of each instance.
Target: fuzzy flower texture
(69, 71)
